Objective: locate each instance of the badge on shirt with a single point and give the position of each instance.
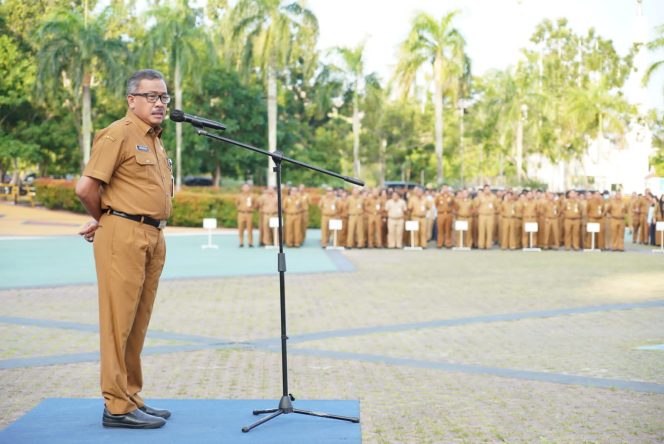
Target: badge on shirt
(143, 148)
(170, 164)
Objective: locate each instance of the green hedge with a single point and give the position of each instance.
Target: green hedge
(190, 207)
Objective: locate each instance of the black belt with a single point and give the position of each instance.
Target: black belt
(159, 224)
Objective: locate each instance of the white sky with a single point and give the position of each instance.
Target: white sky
(495, 30)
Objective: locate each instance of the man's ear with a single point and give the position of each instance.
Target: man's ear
(130, 102)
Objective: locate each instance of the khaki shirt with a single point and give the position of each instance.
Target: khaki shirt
(395, 209)
(129, 158)
(530, 210)
(486, 205)
(595, 209)
(418, 206)
(355, 205)
(268, 204)
(444, 203)
(329, 206)
(616, 208)
(572, 209)
(464, 207)
(292, 204)
(551, 210)
(373, 206)
(245, 203)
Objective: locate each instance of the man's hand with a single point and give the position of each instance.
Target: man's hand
(88, 230)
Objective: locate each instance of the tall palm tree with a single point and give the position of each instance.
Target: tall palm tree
(75, 55)
(353, 66)
(177, 37)
(655, 45)
(269, 33)
(439, 44)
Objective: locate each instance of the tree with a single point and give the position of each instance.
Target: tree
(656, 45)
(177, 38)
(440, 44)
(268, 33)
(75, 55)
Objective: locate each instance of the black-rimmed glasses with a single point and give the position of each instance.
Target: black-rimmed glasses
(152, 97)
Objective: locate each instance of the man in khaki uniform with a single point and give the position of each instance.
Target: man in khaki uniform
(355, 206)
(396, 212)
(329, 209)
(486, 208)
(595, 210)
(343, 215)
(374, 208)
(551, 219)
(506, 212)
(529, 216)
(418, 206)
(444, 203)
(268, 209)
(616, 210)
(245, 204)
(644, 225)
(516, 223)
(127, 188)
(293, 212)
(572, 221)
(464, 208)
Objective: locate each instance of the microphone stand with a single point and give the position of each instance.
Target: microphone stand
(285, 403)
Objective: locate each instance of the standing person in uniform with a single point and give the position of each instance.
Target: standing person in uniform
(572, 221)
(268, 210)
(616, 209)
(417, 209)
(464, 208)
(374, 212)
(396, 211)
(635, 216)
(486, 208)
(329, 209)
(343, 215)
(645, 204)
(551, 218)
(529, 216)
(127, 188)
(245, 204)
(444, 203)
(506, 211)
(596, 211)
(293, 212)
(355, 206)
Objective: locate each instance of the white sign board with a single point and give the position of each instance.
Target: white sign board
(335, 224)
(412, 225)
(593, 227)
(274, 222)
(530, 227)
(210, 223)
(659, 226)
(461, 225)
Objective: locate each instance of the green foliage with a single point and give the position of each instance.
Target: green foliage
(189, 209)
(58, 195)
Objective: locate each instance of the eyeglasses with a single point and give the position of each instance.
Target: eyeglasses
(152, 97)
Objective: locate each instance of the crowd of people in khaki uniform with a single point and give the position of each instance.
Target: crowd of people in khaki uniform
(373, 218)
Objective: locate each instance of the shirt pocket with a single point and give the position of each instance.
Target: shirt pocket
(146, 167)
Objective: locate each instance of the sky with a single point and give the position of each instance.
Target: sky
(495, 30)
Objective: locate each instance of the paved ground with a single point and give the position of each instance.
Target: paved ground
(438, 346)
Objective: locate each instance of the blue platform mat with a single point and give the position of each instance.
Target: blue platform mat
(67, 420)
(68, 260)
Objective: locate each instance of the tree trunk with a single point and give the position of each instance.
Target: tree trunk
(86, 120)
(383, 149)
(461, 144)
(519, 149)
(438, 108)
(356, 134)
(178, 128)
(217, 174)
(271, 122)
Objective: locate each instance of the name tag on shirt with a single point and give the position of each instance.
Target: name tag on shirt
(143, 148)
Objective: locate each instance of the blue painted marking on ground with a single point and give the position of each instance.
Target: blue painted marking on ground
(200, 421)
(658, 347)
(68, 260)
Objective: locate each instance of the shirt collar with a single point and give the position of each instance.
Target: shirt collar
(144, 127)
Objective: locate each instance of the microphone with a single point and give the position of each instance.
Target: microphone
(179, 116)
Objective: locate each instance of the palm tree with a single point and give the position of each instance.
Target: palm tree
(353, 65)
(655, 45)
(177, 37)
(74, 56)
(269, 34)
(441, 45)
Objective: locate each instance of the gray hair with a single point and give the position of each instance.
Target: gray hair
(143, 74)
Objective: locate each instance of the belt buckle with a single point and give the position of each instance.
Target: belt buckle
(162, 224)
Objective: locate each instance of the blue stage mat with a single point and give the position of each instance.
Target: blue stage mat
(67, 420)
(68, 260)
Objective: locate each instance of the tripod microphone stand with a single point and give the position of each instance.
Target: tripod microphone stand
(285, 403)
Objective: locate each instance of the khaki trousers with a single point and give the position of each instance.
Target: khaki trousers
(467, 235)
(444, 227)
(245, 222)
(617, 234)
(305, 224)
(419, 236)
(599, 237)
(395, 233)
(636, 223)
(293, 229)
(266, 231)
(375, 231)
(129, 257)
(551, 234)
(355, 235)
(485, 231)
(572, 231)
(516, 228)
(644, 233)
(525, 237)
(505, 226)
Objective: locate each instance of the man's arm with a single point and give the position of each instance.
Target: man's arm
(87, 190)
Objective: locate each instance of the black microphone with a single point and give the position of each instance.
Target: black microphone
(179, 116)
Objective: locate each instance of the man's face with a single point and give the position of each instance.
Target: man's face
(151, 113)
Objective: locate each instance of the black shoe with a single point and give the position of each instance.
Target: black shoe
(241, 245)
(155, 412)
(136, 419)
